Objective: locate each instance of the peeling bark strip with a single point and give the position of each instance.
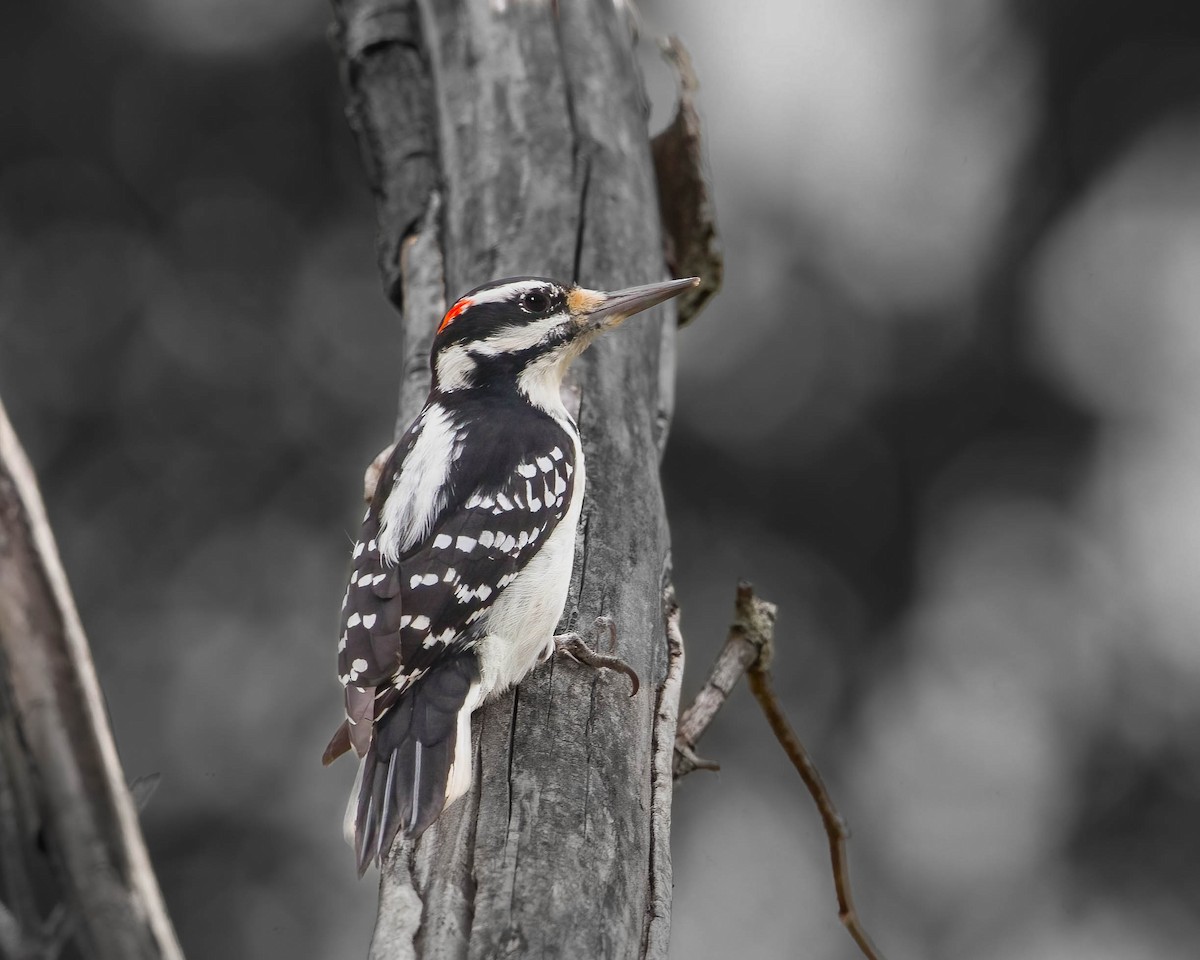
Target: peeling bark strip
(684, 196)
(58, 763)
(542, 166)
(658, 929)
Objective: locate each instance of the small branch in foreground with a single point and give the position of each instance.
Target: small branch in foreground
(835, 827)
(749, 649)
(57, 752)
(749, 634)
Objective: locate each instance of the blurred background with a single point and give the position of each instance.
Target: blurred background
(944, 413)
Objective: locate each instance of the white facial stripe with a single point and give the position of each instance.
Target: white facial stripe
(521, 336)
(509, 291)
(456, 364)
(455, 368)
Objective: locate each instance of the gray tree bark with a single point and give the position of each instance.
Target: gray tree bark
(508, 137)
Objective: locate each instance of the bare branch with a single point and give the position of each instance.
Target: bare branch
(835, 826)
(743, 647)
(749, 649)
(64, 750)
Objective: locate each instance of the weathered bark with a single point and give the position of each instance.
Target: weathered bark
(507, 138)
(59, 770)
(684, 193)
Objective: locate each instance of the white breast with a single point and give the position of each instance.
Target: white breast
(520, 625)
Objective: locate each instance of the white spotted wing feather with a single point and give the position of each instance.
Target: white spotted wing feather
(441, 557)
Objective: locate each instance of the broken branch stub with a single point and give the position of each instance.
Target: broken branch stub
(684, 194)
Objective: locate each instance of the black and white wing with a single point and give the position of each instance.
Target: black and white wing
(414, 607)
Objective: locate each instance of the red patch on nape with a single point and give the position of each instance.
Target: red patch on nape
(453, 312)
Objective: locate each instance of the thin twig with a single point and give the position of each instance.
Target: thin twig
(835, 826)
(743, 647)
(749, 649)
(758, 618)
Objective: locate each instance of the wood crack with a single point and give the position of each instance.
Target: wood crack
(581, 161)
(512, 740)
(581, 222)
(568, 96)
(587, 768)
(583, 559)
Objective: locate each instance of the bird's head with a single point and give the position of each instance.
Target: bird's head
(527, 330)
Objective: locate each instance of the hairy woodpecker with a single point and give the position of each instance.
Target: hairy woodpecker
(460, 573)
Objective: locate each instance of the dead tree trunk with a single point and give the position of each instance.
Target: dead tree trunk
(505, 138)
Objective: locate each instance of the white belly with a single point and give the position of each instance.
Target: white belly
(520, 626)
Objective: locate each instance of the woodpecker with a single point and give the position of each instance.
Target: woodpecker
(461, 569)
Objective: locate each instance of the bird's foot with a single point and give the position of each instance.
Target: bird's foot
(573, 645)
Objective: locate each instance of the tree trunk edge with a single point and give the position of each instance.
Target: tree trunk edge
(70, 755)
(446, 896)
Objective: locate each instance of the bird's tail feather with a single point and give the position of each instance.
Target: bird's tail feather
(405, 780)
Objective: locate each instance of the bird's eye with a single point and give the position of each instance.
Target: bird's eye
(534, 302)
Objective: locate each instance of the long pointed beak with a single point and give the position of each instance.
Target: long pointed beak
(603, 311)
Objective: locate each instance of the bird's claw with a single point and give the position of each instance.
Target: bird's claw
(574, 646)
